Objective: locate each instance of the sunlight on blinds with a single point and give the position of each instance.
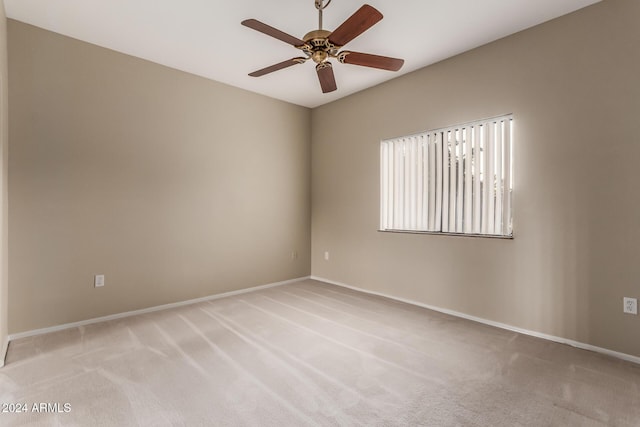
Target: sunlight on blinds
(451, 180)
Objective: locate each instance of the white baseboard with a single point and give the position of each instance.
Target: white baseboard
(146, 310)
(577, 344)
(3, 350)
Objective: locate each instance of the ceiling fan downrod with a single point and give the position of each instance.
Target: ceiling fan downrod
(321, 5)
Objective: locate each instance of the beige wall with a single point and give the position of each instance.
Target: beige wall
(4, 134)
(572, 85)
(177, 187)
(173, 186)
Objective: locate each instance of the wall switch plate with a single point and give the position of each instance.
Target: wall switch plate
(98, 280)
(294, 255)
(326, 256)
(630, 305)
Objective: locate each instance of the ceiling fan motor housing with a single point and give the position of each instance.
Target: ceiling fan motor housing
(317, 46)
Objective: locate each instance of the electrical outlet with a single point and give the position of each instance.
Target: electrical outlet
(326, 256)
(98, 280)
(294, 255)
(630, 305)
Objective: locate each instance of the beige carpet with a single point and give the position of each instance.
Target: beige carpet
(311, 354)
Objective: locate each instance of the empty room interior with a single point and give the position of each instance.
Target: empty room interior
(427, 216)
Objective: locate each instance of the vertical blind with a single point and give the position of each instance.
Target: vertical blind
(452, 180)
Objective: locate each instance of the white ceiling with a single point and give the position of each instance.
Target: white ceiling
(204, 37)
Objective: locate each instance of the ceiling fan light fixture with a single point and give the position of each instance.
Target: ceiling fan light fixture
(319, 56)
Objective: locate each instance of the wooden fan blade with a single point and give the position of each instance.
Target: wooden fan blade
(364, 18)
(369, 60)
(273, 32)
(278, 66)
(326, 77)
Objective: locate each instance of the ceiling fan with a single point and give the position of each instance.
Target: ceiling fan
(321, 45)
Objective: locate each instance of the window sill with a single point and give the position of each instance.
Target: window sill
(440, 233)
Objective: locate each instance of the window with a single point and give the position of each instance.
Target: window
(452, 180)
